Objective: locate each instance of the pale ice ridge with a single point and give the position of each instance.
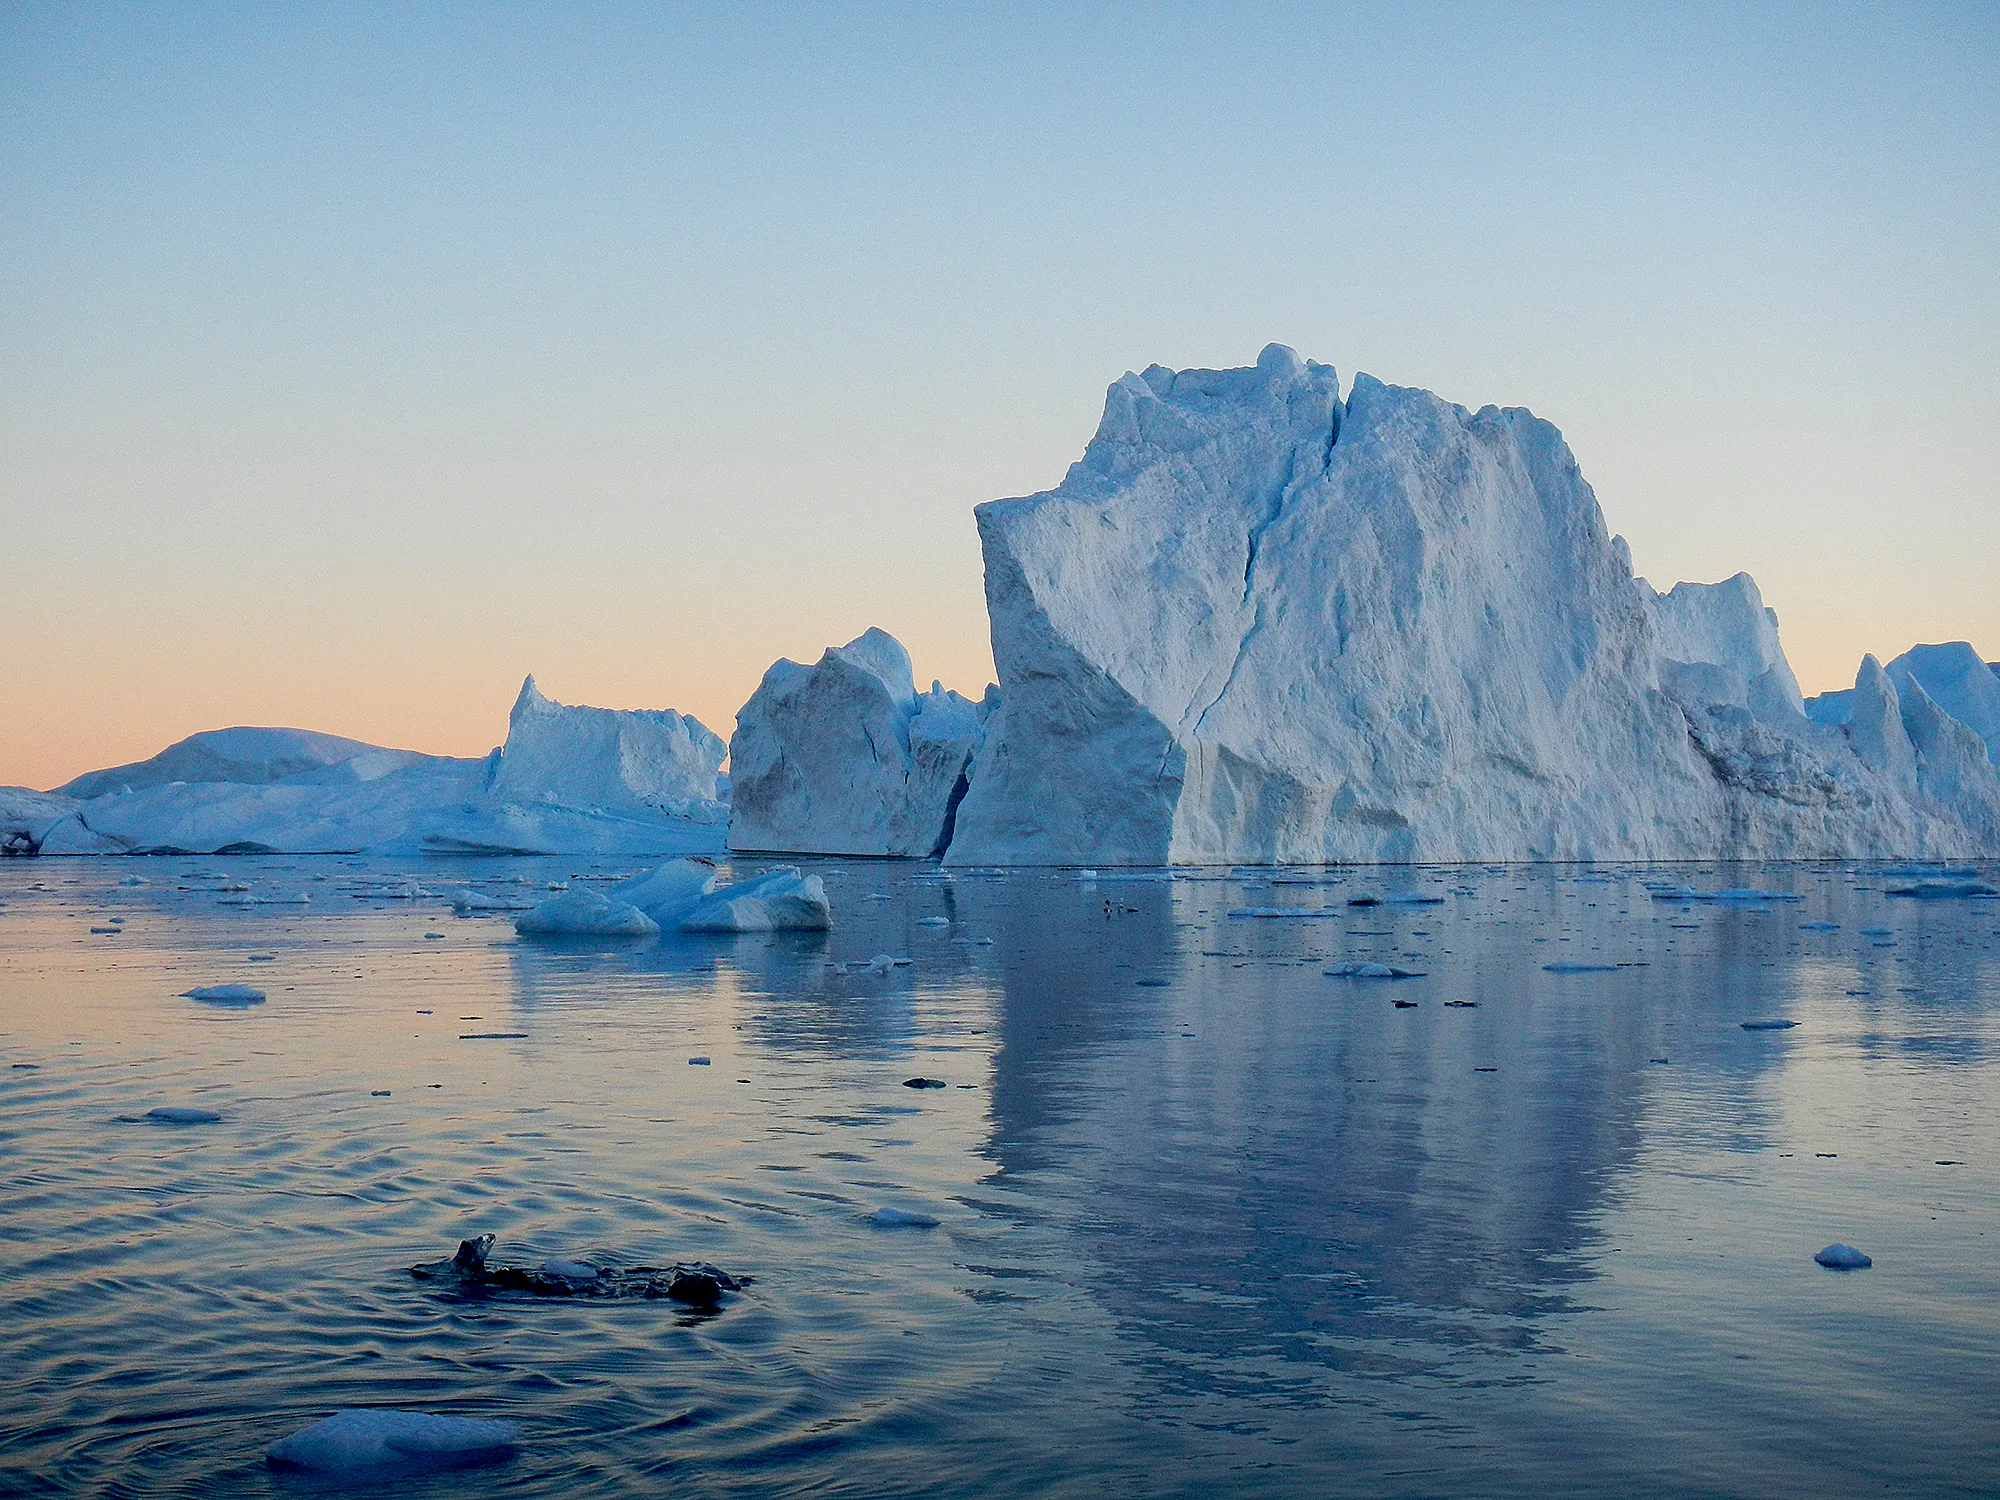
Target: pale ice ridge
(243, 754)
(846, 757)
(1256, 623)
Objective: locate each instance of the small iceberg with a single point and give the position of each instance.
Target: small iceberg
(1944, 890)
(224, 994)
(1372, 970)
(466, 902)
(585, 913)
(779, 900)
(350, 1441)
(1769, 1025)
(1843, 1258)
(684, 895)
(903, 1218)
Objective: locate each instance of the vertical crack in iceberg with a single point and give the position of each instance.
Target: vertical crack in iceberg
(1252, 551)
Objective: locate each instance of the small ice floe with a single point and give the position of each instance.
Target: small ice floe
(1579, 968)
(881, 963)
(1944, 890)
(174, 1114)
(359, 1441)
(466, 902)
(262, 958)
(903, 1218)
(925, 1083)
(104, 931)
(585, 913)
(1772, 1025)
(877, 896)
(240, 899)
(1819, 927)
(698, 1062)
(297, 898)
(1925, 872)
(1672, 892)
(1371, 970)
(1267, 912)
(1843, 1258)
(225, 994)
(133, 880)
(1412, 898)
(934, 921)
(570, 1270)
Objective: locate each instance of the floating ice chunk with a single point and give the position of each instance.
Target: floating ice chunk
(1819, 927)
(1576, 968)
(585, 914)
(779, 900)
(225, 994)
(468, 901)
(669, 892)
(934, 921)
(903, 1218)
(1746, 895)
(1843, 1258)
(173, 1114)
(133, 880)
(1769, 1025)
(1412, 898)
(351, 1440)
(1371, 970)
(1935, 890)
(571, 1270)
(1269, 912)
(1673, 893)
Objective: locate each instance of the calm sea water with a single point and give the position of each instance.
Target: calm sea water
(1212, 1221)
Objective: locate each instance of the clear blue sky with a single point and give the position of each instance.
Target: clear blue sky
(361, 358)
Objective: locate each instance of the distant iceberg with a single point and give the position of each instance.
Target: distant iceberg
(1260, 623)
(567, 781)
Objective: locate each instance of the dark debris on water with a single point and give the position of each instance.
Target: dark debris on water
(693, 1283)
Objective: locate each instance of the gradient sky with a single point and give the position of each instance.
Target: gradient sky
(363, 358)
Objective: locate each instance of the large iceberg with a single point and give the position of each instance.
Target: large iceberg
(1260, 623)
(567, 781)
(847, 757)
(1952, 675)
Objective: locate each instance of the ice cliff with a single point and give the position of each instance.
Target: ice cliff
(1260, 623)
(846, 757)
(567, 781)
